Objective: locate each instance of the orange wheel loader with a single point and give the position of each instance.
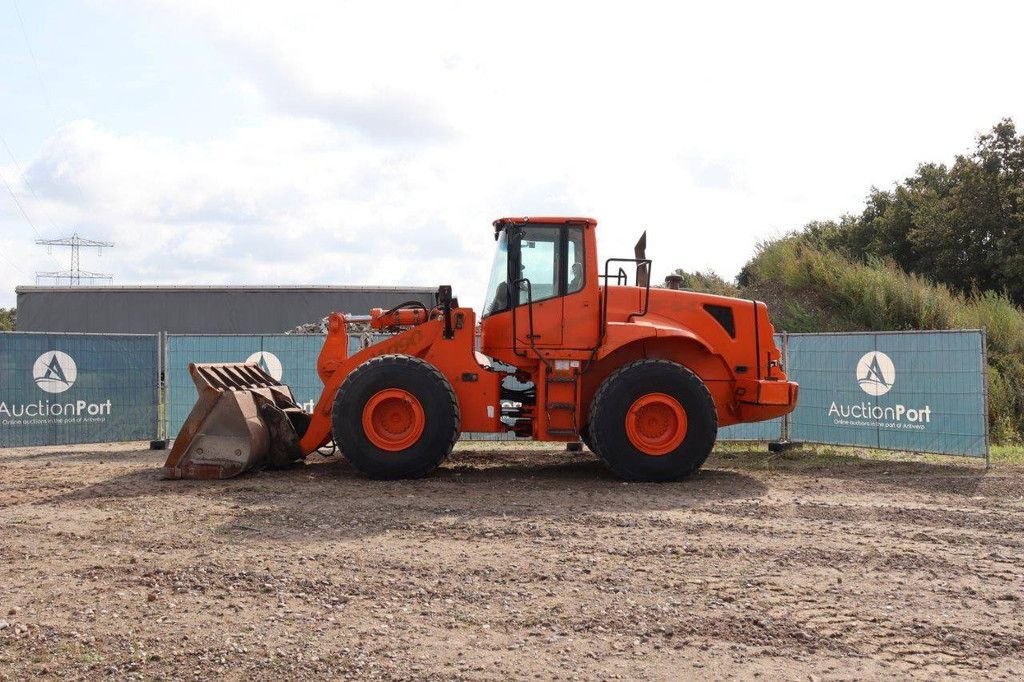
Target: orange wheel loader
(568, 351)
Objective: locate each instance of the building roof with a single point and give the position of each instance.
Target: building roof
(231, 309)
(224, 287)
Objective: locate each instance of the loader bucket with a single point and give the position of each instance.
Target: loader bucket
(244, 419)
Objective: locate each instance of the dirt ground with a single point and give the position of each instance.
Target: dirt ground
(518, 561)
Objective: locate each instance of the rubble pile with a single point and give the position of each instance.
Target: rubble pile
(310, 328)
(320, 327)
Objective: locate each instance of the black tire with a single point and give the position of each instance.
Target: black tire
(607, 424)
(440, 408)
(587, 440)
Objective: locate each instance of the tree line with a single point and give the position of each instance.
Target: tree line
(960, 225)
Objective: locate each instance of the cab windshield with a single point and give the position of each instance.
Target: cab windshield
(549, 261)
(497, 298)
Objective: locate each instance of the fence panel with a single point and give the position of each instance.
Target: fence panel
(918, 391)
(58, 389)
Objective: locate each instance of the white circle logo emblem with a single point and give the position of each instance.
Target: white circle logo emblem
(875, 373)
(54, 371)
(268, 362)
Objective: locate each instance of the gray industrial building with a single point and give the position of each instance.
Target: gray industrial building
(198, 309)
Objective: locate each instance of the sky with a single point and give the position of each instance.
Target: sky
(248, 142)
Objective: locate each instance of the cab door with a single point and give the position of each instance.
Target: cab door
(581, 307)
(540, 265)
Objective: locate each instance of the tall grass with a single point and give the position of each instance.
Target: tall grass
(813, 289)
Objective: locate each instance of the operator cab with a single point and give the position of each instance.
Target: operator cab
(539, 263)
(546, 259)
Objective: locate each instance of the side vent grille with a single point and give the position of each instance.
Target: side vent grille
(723, 315)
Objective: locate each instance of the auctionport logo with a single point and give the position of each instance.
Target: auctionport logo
(268, 362)
(55, 371)
(875, 373)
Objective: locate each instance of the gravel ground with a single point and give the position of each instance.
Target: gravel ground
(518, 561)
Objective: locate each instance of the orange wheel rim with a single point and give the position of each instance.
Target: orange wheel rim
(656, 424)
(393, 419)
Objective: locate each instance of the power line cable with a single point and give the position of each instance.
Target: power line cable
(27, 184)
(39, 201)
(17, 203)
(14, 265)
(24, 215)
(35, 63)
(9, 261)
(53, 115)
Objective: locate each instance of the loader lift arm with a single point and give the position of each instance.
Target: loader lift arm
(233, 426)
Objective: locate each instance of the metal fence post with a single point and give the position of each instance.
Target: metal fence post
(162, 406)
(785, 361)
(984, 385)
(158, 386)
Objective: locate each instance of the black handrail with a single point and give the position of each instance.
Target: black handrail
(621, 278)
(529, 313)
(621, 274)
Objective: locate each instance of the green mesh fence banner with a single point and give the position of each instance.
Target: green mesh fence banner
(916, 391)
(60, 389)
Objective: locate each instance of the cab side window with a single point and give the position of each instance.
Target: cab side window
(553, 260)
(539, 257)
(574, 258)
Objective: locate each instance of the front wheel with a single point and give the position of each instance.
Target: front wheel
(653, 420)
(395, 416)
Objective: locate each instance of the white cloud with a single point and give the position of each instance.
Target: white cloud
(380, 139)
(291, 201)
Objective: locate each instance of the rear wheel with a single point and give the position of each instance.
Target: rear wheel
(395, 416)
(653, 420)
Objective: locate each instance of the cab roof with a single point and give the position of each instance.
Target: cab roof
(501, 223)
